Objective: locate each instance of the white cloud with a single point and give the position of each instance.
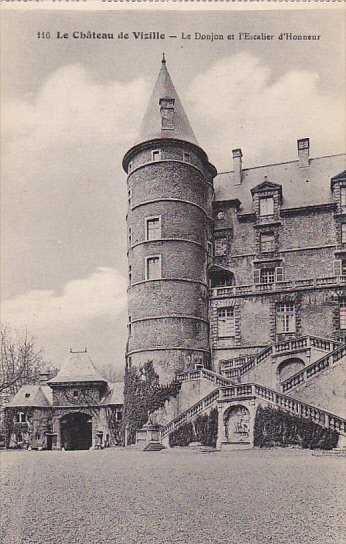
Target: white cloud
(243, 106)
(102, 294)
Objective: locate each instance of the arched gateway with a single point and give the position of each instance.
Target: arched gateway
(76, 431)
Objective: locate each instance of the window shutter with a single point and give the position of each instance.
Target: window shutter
(257, 276)
(337, 267)
(279, 273)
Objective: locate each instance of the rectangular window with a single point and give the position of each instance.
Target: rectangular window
(153, 268)
(343, 233)
(266, 206)
(75, 393)
(342, 313)
(20, 417)
(267, 243)
(129, 326)
(186, 157)
(156, 155)
(210, 249)
(220, 246)
(285, 318)
(129, 197)
(340, 267)
(152, 228)
(129, 235)
(343, 196)
(130, 275)
(226, 322)
(267, 275)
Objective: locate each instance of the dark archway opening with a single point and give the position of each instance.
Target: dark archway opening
(76, 431)
(221, 278)
(288, 367)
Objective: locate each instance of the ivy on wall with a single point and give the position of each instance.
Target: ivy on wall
(274, 427)
(203, 429)
(143, 395)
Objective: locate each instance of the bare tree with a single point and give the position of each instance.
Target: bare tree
(21, 361)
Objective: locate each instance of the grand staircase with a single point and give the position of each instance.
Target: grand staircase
(236, 368)
(228, 387)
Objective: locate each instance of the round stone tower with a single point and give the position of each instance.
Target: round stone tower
(169, 219)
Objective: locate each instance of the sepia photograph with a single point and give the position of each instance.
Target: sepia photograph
(173, 273)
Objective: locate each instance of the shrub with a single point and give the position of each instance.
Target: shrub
(275, 427)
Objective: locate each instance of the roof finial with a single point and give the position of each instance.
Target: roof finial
(163, 59)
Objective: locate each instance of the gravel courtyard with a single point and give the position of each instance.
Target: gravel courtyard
(175, 496)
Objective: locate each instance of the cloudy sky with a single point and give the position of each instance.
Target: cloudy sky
(71, 109)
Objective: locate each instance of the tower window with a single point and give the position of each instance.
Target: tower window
(130, 166)
(285, 318)
(186, 157)
(156, 155)
(342, 313)
(267, 242)
(226, 322)
(153, 228)
(266, 206)
(130, 274)
(129, 326)
(153, 268)
(129, 197)
(130, 235)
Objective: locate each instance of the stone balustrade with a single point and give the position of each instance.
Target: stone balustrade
(205, 374)
(313, 369)
(232, 370)
(294, 406)
(234, 290)
(191, 412)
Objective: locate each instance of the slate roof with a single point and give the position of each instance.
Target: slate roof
(36, 396)
(151, 125)
(115, 395)
(300, 186)
(78, 368)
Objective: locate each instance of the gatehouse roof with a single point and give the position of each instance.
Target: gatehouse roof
(115, 394)
(35, 396)
(78, 368)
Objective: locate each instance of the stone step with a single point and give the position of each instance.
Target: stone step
(154, 446)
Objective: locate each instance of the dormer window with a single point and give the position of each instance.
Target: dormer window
(266, 206)
(167, 113)
(156, 154)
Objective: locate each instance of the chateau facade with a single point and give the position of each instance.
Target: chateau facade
(237, 294)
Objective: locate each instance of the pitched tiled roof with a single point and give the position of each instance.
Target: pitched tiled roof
(115, 394)
(300, 186)
(151, 124)
(78, 368)
(36, 396)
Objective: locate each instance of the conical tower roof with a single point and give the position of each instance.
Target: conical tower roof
(78, 368)
(151, 127)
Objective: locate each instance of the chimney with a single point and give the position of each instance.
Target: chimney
(43, 377)
(237, 165)
(303, 152)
